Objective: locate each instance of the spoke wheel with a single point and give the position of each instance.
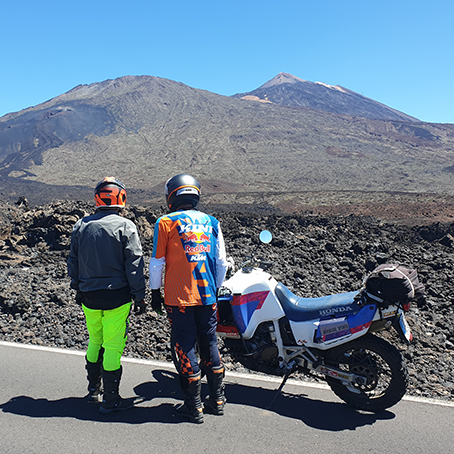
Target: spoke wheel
(382, 369)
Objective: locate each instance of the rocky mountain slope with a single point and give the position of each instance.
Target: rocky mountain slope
(144, 129)
(288, 90)
(313, 255)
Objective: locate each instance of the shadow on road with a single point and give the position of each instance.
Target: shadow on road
(329, 416)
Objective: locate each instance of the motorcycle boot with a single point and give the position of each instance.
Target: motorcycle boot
(215, 401)
(191, 409)
(94, 377)
(112, 401)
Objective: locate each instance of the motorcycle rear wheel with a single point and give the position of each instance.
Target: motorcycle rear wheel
(382, 366)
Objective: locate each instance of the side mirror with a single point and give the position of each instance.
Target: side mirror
(265, 236)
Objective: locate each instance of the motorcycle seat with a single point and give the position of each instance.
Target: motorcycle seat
(299, 309)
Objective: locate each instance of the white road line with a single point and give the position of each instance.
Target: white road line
(169, 365)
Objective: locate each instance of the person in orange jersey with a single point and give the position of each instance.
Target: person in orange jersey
(191, 246)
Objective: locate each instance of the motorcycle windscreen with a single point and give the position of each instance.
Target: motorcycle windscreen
(244, 306)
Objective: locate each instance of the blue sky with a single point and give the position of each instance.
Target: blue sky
(400, 53)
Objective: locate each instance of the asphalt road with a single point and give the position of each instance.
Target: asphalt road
(43, 411)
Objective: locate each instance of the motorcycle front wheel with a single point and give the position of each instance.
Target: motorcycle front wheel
(379, 363)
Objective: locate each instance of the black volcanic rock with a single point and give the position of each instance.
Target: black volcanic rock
(312, 255)
(288, 90)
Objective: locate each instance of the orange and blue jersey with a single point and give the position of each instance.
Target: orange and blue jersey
(191, 246)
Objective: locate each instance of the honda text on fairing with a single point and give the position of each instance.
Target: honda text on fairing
(269, 329)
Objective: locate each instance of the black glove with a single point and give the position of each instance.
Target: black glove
(139, 307)
(157, 300)
(78, 298)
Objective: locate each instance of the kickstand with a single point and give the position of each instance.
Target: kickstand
(279, 390)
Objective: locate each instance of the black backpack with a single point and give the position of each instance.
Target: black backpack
(393, 283)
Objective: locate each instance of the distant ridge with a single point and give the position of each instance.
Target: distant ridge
(288, 90)
(144, 129)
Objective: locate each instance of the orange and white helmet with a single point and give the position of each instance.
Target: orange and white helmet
(110, 193)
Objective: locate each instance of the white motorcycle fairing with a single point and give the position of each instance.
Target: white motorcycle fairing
(254, 300)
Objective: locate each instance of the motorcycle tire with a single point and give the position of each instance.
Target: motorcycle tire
(382, 366)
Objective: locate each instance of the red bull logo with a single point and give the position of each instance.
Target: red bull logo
(196, 237)
(196, 233)
(196, 249)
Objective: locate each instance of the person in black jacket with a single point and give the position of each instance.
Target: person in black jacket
(106, 269)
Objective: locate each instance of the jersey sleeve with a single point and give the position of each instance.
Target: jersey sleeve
(221, 259)
(158, 259)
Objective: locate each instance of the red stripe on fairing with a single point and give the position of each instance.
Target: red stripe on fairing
(357, 329)
(260, 297)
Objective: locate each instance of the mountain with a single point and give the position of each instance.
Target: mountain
(145, 129)
(288, 90)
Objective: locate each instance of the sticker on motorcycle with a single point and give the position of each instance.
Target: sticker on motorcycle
(244, 306)
(335, 328)
(333, 373)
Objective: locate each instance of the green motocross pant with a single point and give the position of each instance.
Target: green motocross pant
(107, 329)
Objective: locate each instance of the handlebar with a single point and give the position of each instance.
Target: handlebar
(257, 262)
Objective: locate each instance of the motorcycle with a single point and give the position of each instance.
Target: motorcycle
(269, 329)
